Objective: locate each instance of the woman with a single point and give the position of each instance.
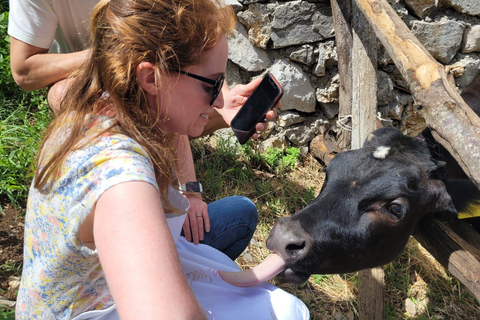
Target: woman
(103, 220)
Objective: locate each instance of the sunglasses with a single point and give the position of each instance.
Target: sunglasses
(217, 84)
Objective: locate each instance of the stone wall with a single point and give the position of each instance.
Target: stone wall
(295, 41)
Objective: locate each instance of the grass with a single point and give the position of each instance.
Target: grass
(21, 129)
(23, 118)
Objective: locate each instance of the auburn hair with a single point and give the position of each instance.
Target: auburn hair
(123, 33)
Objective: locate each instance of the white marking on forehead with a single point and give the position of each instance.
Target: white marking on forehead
(381, 152)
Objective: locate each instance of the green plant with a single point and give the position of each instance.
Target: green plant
(12, 267)
(4, 5)
(282, 159)
(10, 90)
(20, 134)
(6, 314)
(320, 278)
(23, 118)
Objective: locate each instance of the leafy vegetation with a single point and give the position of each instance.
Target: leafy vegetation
(23, 118)
(282, 159)
(7, 315)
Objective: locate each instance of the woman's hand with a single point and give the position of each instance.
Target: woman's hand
(236, 97)
(197, 221)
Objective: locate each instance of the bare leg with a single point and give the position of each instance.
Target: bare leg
(56, 93)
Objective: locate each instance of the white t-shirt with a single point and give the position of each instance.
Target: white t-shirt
(58, 25)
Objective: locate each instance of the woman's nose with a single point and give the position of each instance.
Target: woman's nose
(219, 102)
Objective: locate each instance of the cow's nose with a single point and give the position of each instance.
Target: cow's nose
(289, 240)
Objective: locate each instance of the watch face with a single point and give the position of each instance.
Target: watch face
(193, 186)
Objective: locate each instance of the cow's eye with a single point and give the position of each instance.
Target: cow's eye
(396, 209)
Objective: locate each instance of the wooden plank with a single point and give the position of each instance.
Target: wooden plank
(465, 235)
(342, 15)
(436, 237)
(357, 59)
(364, 80)
(452, 122)
(371, 297)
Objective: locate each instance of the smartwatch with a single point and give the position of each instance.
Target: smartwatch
(191, 187)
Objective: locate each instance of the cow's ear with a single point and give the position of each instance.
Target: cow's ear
(436, 164)
(440, 201)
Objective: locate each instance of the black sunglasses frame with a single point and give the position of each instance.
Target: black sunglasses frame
(217, 84)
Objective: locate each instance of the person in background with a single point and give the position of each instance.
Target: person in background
(49, 43)
(104, 214)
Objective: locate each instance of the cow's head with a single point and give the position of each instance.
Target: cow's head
(370, 202)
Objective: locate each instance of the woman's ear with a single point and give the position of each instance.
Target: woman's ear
(146, 77)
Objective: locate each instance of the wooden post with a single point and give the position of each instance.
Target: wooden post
(357, 60)
(371, 295)
(371, 284)
(364, 80)
(342, 16)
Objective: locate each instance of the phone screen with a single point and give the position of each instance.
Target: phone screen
(257, 105)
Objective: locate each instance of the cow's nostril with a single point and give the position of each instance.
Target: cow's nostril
(295, 247)
(290, 240)
(296, 250)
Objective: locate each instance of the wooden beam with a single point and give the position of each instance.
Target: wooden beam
(342, 16)
(446, 247)
(371, 297)
(364, 80)
(357, 66)
(452, 122)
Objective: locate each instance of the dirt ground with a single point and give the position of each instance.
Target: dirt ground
(11, 249)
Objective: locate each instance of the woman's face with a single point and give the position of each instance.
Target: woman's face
(187, 100)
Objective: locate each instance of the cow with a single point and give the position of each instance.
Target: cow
(369, 205)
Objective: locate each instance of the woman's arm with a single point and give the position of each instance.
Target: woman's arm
(139, 257)
(197, 220)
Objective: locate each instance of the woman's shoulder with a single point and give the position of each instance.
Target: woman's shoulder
(103, 154)
(104, 140)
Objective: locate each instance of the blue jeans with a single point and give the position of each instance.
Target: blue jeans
(232, 223)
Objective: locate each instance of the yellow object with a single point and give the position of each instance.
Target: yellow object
(471, 211)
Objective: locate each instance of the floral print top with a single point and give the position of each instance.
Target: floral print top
(61, 276)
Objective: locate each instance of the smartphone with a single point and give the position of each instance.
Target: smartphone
(254, 110)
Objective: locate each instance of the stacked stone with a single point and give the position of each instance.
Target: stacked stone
(295, 41)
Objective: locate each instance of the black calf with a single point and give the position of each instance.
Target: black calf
(368, 207)
(371, 201)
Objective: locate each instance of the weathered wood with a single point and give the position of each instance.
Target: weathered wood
(371, 295)
(342, 16)
(364, 80)
(436, 237)
(364, 107)
(452, 122)
(357, 59)
(465, 235)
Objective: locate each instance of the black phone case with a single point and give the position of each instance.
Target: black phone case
(244, 135)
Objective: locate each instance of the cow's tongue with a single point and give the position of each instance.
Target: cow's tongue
(266, 270)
